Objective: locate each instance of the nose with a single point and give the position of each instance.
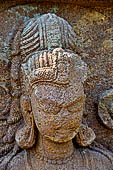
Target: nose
(62, 119)
(63, 113)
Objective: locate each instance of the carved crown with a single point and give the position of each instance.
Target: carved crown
(40, 67)
(57, 66)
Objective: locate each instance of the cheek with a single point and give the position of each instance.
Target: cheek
(77, 119)
(48, 124)
(43, 121)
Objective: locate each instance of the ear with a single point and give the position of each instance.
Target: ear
(85, 136)
(26, 109)
(25, 137)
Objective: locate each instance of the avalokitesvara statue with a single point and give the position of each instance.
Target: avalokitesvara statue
(48, 76)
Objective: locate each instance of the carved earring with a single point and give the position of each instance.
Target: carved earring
(85, 136)
(25, 137)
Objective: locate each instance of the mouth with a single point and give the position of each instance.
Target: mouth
(63, 136)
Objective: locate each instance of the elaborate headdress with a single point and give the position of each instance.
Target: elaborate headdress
(53, 66)
(46, 32)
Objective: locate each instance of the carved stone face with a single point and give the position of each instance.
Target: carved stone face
(56, 91)
(57, 110)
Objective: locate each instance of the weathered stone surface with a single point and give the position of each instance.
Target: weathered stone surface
(105, 108)
(85, 136)
(52, 98)
(87, 3)
(93, 42)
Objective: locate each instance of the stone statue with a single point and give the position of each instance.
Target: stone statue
(47, 78)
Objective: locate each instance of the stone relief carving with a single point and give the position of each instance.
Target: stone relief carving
(105, 108)
(8, 146)
(47, 79)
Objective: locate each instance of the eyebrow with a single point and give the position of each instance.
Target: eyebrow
(50, 102)
(80, 98)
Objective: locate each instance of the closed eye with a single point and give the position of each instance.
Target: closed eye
(76, 106)
(48, 108)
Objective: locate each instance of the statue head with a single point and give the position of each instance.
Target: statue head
(52, 77)
(56, 92)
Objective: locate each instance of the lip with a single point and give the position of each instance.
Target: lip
(64, 130)
(61, 137)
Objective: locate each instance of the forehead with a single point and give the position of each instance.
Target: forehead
(58, 95)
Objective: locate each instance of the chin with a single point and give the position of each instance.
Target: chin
(61, 138)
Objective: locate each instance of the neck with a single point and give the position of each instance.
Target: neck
(52, 150)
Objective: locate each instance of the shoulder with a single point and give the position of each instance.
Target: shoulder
(17, 162)
(98, 158)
